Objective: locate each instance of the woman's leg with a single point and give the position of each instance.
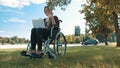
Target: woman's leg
(39, 38)
(33, 39)
(41, 35)
(45, 34)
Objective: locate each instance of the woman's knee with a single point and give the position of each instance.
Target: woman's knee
(39, 29)
(33, 30)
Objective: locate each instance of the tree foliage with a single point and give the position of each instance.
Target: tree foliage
(74, 39)
(77, 30)
(100, 15)
(58, 3)
(13, 40)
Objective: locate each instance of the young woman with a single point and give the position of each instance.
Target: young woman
(40, 34)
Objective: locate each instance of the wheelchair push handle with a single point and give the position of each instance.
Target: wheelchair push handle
(60, 21)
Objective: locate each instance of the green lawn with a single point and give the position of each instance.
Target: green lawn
(76, 57)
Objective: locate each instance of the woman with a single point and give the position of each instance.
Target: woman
(40, 34)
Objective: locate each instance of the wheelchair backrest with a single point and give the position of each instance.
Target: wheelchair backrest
(57, 21)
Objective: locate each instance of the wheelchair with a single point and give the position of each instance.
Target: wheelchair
(58, 42)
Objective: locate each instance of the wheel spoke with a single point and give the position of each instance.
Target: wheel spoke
(61, 44)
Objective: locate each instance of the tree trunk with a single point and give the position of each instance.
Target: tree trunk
(106, 42)
(117, 28)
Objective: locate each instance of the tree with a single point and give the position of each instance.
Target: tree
(13, 40)
(104, 13)
(60, 3)
(97, 20)
(70, 38)
(77, 30)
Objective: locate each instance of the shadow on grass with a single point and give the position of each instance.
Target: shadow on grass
(76, 57)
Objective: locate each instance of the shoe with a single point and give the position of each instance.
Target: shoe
(24, 53)
(40, 53)
(34, 55)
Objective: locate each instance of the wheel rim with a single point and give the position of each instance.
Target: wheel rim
(53, 45)
(61, 44)
(29, 46)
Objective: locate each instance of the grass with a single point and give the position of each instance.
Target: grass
(76, 57)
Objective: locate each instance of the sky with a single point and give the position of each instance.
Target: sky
(16, 17)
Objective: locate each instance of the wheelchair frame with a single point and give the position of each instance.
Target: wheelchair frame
(59, 44)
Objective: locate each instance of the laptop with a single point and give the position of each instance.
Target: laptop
(38, 23)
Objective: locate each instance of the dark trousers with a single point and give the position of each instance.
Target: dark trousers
(37, 37)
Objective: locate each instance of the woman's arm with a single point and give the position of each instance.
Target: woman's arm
(51, 19)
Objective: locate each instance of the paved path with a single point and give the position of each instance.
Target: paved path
(12, 46)
(25, 46)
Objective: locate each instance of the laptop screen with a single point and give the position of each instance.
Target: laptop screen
(38, 23)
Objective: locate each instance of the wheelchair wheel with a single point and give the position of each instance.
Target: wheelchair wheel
(61, 44)
(29, 46)
(53, 45)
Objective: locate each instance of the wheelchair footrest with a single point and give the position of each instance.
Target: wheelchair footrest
(34, 55)
(51, 55)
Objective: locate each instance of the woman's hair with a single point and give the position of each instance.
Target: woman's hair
(47, 7)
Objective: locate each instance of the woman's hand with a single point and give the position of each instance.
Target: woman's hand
(51, 18)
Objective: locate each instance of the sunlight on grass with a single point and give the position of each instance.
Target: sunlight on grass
(6, 58)
(98, 57)
(10, 50)
(103, 65)
(76, 57)
(73, 51)
(118, 48)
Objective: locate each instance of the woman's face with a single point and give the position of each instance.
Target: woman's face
(47, 11)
